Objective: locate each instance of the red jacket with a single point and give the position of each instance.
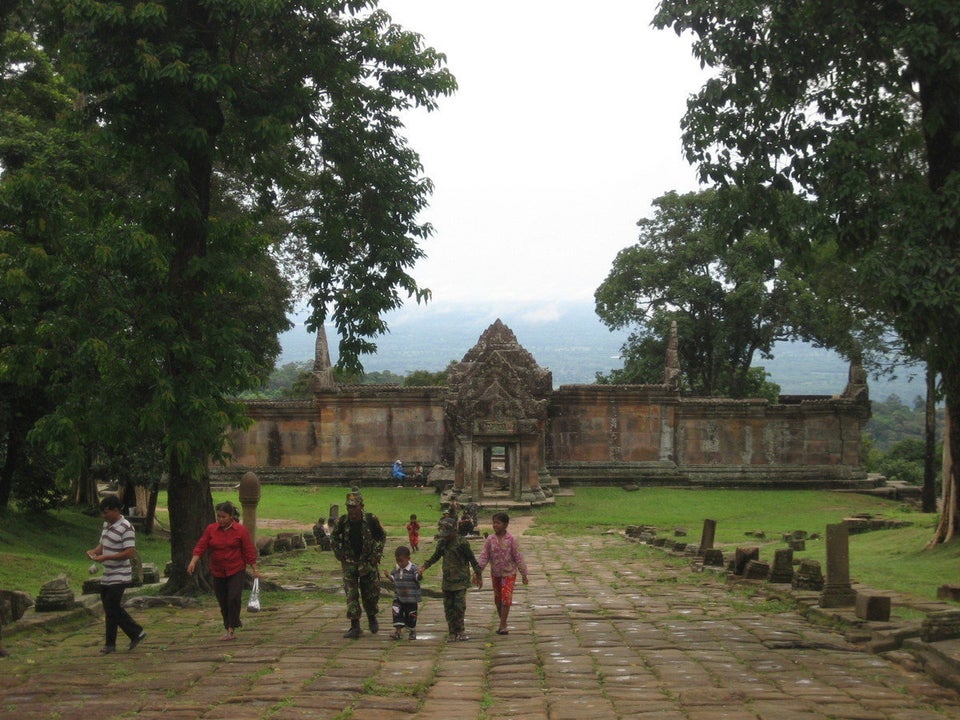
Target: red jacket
(231, 549)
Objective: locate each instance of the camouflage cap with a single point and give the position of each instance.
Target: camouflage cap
(447, 525)
(354, 498)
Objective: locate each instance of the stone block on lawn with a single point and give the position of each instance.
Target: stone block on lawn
(742, 557)
(949, 592)
(943, 625)
(873, 607)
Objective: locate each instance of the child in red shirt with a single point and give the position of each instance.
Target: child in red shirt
(413, 533)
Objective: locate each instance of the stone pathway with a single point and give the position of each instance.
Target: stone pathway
(593, 637)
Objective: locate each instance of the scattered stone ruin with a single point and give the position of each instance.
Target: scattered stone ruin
(500, 429)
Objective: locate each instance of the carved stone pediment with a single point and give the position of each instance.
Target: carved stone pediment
(497, 383)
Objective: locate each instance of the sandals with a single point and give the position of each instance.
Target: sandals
(503, 632)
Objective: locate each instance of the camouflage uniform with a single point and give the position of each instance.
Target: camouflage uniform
(458, 560)
(359, 546)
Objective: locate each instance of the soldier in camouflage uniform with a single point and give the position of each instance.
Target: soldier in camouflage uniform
(458, 559)
(357, 540)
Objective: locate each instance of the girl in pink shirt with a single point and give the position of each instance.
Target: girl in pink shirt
(503, 553)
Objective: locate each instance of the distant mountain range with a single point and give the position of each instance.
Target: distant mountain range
(569, 340)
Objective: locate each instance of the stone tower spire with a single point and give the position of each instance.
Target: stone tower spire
(671, 370)
(322, 370)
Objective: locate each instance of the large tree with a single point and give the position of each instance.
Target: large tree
(231, 126)
(52, 278)
(699, 262)
(855, 106)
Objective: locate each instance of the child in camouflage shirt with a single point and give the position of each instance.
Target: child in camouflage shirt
(458, 560)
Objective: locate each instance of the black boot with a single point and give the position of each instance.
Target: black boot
(374, 625)
(354, 632)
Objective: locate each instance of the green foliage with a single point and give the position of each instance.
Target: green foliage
(902, 469)
(895, 440)
(381, 377)
(292, 381)
(65, 263)
(904, 461)
(853, 110)
(892, 422)
(643, 361)
(911, 449)
(193, 147)
(35, 547)
(426, 378)
(700, 264)
(288, 381)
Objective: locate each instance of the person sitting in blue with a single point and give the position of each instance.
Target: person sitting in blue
(398, 474)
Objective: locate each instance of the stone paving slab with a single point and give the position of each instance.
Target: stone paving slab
(604, 631)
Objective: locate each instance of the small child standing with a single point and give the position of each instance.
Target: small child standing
(406, 581)
(413, 533)
(503, 553)
(458, 559)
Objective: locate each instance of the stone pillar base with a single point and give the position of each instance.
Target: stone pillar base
(837, 597)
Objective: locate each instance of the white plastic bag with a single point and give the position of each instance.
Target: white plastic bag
(254, 604)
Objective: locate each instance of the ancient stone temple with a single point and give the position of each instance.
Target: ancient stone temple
(500, 428)
(497, 402)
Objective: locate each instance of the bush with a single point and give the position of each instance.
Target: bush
(902, 470)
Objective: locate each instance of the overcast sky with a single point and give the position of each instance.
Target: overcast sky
(565, 127)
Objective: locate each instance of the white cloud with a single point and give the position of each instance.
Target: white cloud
(564, 129)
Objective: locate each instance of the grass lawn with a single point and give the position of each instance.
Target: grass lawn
(883, 559)
(36, 548)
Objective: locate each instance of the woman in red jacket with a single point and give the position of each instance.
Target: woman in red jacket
(231, 550)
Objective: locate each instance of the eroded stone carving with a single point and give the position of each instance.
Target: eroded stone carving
(498, 396)
(671, 369)
(497, 380)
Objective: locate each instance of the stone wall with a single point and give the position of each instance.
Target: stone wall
(593, 434)
(346, 433)
(649, 433)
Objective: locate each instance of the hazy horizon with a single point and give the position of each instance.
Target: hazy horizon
(569, 340)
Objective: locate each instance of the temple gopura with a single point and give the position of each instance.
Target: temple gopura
(499, 427)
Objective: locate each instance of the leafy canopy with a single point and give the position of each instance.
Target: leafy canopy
(698, 263)
(222, 139)
(851, 105)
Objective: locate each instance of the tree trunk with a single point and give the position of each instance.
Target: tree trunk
(83, 493)
(928, 496)
(151, 515)
(191, 509)
(9, 465)
(947, 527)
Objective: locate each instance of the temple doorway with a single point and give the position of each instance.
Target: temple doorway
(496, 468)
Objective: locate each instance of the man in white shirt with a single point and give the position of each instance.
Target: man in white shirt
(117, 546)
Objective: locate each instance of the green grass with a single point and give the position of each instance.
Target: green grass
(884, 559)
(736, 511)
(293, 507)
(36, 548)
